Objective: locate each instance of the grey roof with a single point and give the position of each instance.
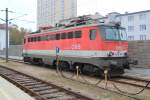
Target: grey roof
(145, 11)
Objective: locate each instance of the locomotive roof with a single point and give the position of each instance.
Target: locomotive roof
(57, 29)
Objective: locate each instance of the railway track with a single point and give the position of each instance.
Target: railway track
(136, 82)
(127, 80)
(39, 89)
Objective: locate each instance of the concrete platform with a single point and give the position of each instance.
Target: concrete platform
(10, 92)
(138, 72)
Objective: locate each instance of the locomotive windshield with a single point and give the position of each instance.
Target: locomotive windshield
(113, 33)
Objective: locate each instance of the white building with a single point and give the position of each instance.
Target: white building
(2, 37)
(50, 12)
(137, 24)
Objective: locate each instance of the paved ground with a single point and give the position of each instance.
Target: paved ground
(10, 92)
(139, 72)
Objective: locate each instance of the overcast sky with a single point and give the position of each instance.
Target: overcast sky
(84, 7)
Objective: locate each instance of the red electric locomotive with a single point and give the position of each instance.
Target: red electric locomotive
(85, 42)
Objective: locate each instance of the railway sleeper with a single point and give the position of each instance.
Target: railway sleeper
(27, 82)
(37, 86)
(21, 77)
(55, 95)
(48, 91)
(30, 83)
(50, 98)
(9, 74)
(23, 80)
(67, 97)
(15, 76)
(42, 89)
(53, 91)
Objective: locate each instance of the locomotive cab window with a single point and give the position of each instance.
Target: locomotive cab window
(113, 33)
(92, 34)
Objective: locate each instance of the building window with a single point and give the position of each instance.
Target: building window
(142, 37)
(142, 27)
(130, 18)
(142, 16)
(130, 37)
(130, 28)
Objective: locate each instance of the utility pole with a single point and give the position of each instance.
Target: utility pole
(6, 34)
(6, 27)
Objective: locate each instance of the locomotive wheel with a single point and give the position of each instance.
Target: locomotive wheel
(91, 71)
(64, 68)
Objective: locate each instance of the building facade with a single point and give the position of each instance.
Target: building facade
(3, 37)
(137, 24)
(50, 12)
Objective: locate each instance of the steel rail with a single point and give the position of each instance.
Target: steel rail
(129, 78)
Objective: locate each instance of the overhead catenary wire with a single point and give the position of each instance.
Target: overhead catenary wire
(17, 17)
(28, 21)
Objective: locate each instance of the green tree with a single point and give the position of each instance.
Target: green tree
(17, 35)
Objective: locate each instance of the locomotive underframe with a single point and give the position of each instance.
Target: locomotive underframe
(115, 65)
